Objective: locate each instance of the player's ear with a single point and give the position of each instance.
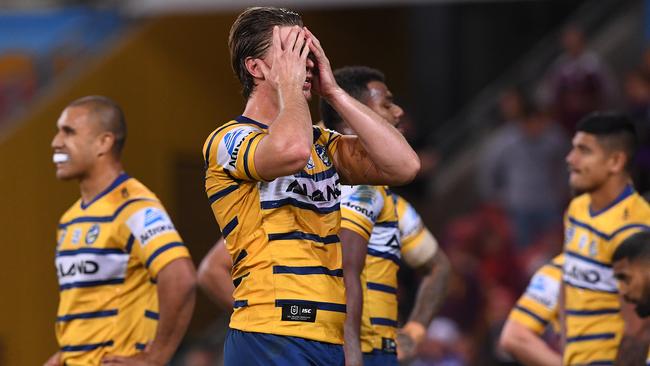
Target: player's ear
(253, 67)
(106, 141)
(618, 161)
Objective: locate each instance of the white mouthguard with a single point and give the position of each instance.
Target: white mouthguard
(60, 158)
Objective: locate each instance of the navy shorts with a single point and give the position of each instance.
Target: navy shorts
(380, 358)
(253, 349)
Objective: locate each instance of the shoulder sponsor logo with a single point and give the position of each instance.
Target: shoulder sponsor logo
(362, 210)
(321, 151)
(92, 234)
(329, 193)
(230, 138)
(230, 145)
(149, 223)
(544, 289)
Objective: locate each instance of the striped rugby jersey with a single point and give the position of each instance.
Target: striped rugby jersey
(594, 324)
(281, 234)
(370, 212)
(109, 253)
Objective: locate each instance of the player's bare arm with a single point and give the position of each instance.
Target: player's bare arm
(527, 347)
(354, 248)
(176, 285)
(379, 154)
(214, 276)
(287, 147)
(429, 298)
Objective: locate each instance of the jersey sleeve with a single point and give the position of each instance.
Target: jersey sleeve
(412, 230)
(233, 150)
(538, 306)
(154, 240)
(331, 139)
(360, 206)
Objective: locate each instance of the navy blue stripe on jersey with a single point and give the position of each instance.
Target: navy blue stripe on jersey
(590, 289)
(129, 243)
(86, 347)
(592, 312)
(357, 225)
(383, 321)
(248, 148)
(589, 228)
(317, 177)
(393, 224)
(229, 227)
(269, 205)
(241, 256)
(239, 304)
(308, 270)
(81, 219)
(88, 315)
(151, 315)
(244, 119)
(608, 236)
(161, 250)
(222, 193)
(531, 314)
(299, 235)
(81, 284)
(376, 253)
(328, 306)
(98, 251)
(119, 180)
(591, 337)
(238, 280)
(628, 191)
(587, 259)
(317, 132)
(381, 287)
(557, 266)
(333, 137)
(140, 346)
(600, 363)
(207, 150)
(631, 226)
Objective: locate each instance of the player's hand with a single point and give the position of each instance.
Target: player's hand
(288, 58)
(55, 360)
(408, 339)
(324, 82)
(141, 359)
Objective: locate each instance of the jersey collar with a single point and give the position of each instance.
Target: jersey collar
(628, 191)
(119, 180)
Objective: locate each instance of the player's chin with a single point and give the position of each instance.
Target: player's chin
(64, 174)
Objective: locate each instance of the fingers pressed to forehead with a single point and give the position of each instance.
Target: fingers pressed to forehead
(300, 41)
(292, 37)
(277, 41)
(306, 49)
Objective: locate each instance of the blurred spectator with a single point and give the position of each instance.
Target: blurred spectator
(577, 83)
(443, 345)
(522, 170)
(637, 98)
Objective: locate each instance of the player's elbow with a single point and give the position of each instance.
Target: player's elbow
(292, 156)
(407, 171)
(204, 276)
(507, 343)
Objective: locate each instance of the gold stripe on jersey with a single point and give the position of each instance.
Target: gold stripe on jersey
(282, 234)
(108, 255)
(538, 306)
(594, 324)
(370, 211)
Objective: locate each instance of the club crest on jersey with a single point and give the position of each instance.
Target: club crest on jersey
(76, 235)
(92, 234)
(582, 242)
(321, 151)
(310, 164)
(593, 249)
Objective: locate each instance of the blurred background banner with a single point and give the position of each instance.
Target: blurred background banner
(492, 92)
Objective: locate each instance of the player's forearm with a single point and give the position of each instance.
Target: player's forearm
(386, 147)
(352, 326)
(291, 133)
(432, 290)
(176, 296)
(216, 283)
(527, 347)
(631, 351)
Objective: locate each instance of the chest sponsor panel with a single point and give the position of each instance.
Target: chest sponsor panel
(323, 194)
(87, 267)
(585, 273)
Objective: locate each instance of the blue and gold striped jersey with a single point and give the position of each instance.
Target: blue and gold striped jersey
(418, 244)
(282, 234)
(370, 212)
(537, 308)
(109, 253)
(594, 325)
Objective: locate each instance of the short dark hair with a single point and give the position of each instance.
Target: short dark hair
(354, 80)
(637, 246)
(109, 115)
(250, 36)
(615, 131)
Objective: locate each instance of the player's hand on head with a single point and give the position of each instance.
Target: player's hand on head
(324, 82)
(288, 60)
(54, 360)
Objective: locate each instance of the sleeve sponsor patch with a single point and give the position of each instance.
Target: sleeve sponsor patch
(410, 222)
(149, 223)
(230, 146)
(365, 200)
(544, 290)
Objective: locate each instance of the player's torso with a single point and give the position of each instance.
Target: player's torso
(282, 236)
(594, 324)
(102, 296)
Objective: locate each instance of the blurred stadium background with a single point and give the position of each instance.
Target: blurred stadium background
(492, 90)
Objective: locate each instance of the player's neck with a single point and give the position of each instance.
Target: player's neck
(98, 180)
(262, 106)
(608, 192)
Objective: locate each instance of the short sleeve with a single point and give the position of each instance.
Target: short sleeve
(360, 206)
(154, 240)
(412, 230)
(538, 306)
(234, 151)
